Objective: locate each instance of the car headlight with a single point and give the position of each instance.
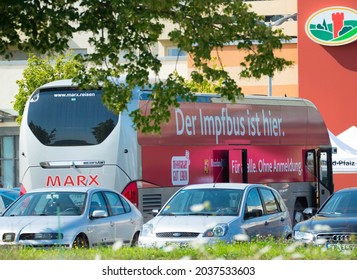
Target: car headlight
(303, 236)
(218, 231)
(148, 230)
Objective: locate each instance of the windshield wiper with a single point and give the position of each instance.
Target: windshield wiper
(199, 214)
(188, 214)
(168, 214)
(329, 213)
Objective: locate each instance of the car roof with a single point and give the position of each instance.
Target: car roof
(237, 186)
(8, 190)
(349, 189)
(67, 189)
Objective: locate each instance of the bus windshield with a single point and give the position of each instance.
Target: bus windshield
(70, 117)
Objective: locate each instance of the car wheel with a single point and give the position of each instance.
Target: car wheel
(134, 241)
(80, 241)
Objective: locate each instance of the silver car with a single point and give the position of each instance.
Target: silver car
(208, 213)
(70, 217)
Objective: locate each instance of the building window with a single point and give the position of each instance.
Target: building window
(9, 161)
(14, 55)
(174, 51)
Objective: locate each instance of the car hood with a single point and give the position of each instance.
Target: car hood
(35, 224)
(327, 223)
(188, 223)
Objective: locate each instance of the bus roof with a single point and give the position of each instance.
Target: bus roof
(251, 120)
(206, 97)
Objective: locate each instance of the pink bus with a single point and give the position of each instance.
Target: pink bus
(69, 138)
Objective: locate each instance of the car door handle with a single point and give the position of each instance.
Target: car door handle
(266, 223)
(111, 224)
(282, 219)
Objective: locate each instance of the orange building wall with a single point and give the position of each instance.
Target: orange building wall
(283, 83)
(230, 56)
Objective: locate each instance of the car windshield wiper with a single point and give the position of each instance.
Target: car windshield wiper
(329, 213)
(200, 214)
(188, 214)
(168, 214)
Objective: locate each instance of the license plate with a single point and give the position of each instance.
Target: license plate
(341, 246)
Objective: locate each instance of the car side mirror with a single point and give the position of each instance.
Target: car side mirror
(99, 214)
(309, 212)
(155, 211)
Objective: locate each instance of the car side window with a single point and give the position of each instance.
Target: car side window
(115, 204)
(281, 202)
(97, 203)
(253, 207)
(269, 201)
(2, 204)
(6, 201)
(126, 205)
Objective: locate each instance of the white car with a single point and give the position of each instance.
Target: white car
(208, 213)
(70, 217)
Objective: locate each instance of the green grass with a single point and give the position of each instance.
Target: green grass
(257, 250)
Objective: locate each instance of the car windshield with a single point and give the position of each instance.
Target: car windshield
(48, 204)
(212, 202)
(341, 203)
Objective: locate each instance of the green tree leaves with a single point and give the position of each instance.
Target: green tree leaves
(41, 71)
(123, 34)
(34, 25)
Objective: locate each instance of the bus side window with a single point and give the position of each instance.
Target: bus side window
(310, 162)
(323, 169)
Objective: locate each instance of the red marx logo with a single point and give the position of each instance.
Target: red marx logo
(69, 181)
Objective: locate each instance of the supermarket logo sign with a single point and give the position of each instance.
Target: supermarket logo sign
(332, 26)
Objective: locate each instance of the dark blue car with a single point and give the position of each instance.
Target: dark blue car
(334, 224)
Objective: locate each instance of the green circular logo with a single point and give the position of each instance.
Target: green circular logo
(332, 26)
